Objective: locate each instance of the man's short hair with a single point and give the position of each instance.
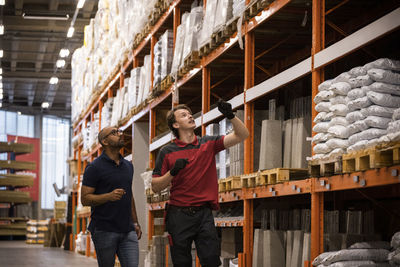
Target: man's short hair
(171, 118)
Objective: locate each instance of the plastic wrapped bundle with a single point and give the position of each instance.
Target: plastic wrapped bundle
(179, 42)
(238, 7)
(223, 14)
(192, 26)
(157, 63)
(167, 44)
(208, 22)
(133, 87)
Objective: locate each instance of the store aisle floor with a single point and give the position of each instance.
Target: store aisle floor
(20, 254)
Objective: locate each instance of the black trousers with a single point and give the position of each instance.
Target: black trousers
(186, 225)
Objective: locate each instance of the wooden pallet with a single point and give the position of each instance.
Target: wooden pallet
(205, 50)
(370, 158)
(16, 180)
(254, 8)
(191, 60)
(248, 180)
(326, 167)
(229, 183)
(279, 175)
(392, 149)
(166, 83)
(155, 16)
(18, 165)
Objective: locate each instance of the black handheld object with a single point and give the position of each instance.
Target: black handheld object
(226, 109)
(179, 165)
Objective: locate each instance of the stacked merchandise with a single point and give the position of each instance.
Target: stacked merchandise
(145, 81)
(106, 112)
(224, 163)
(223, 14)
(284, 238)
(157, 64)
(167, 45)
(85, 136)
(94, 129)
(156, 255)
(370, 253)
(107, 40)
(178, 50)
(355, 109)
(60, 208)
(236, 152)
(133, 87)
(231, 244)
(208, 22)
(238, 7)
(120, 106)
(36, 231)
(213, 129)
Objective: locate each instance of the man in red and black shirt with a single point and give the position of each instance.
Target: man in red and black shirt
(187, 165)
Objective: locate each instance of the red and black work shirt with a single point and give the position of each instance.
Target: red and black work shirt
(196, 184)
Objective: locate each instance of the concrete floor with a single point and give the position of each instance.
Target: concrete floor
(20, 254)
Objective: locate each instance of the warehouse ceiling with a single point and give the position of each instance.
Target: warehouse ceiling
(34, 33)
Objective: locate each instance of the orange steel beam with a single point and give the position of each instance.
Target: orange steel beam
(263, 69)
(248, 231)
(135, 62)
(336, 7)
(205, 103)
(151, 225)
(177, 21)
(240, 260)
(100, 109)
(249, 107)
(197, 261)
(121, 80)
(266, 14)
(317, 76)
(317, 224)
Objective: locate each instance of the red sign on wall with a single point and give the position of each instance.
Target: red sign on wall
(34, 156)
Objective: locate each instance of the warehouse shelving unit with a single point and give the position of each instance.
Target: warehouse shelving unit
(11, 225)
(280, 50)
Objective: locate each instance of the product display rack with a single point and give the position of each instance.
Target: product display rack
(316, 52)
(9, 198)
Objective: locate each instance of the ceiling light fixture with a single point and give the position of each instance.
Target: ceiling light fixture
(1, 104)
(60, 63)
(1, 53)
(45, 105)
(64, 52)
(1, 85)
(1, 91)
(1, 71)
(80, 4)
(19, 113)
(1, 96)
(44, 17)
(70, 32)
(53, 80)
(1, 29)
(2, 2)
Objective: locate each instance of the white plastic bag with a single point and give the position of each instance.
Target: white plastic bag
(368, 134)
(360, 125)
(386, 88)
(378, 255)
(340, 88)
(323, 107)
(337, 143)
(323, 96)
(343, 77)
(324, 85)
(377, 122)
(379, 111)
(357, 146)
(354, 116)
(385, 100)
(360, 81)
(339, 109)
(396, 114)
(339, 131)
(321, 127)
(394, 127)
(321, 116)
(359, 103)
(339, 120)
(356, 93)
(353, 129)
(385, 76)
(321, 138)
(357, 71)
(340, 99)
(337, 152)
(384, 63)
(321, 148)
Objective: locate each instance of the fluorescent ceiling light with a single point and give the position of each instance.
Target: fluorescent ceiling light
(45, 17)
(1, 85)
(70, 32)
(1, 104)
(80, 3)
(64, 52)
(1, 71)
(1, 29)
(45, 105)
(19, 112)
(1, 96)
(1, 53)
(60, 63)
(53, 80)
(2, 2)
(1, 91)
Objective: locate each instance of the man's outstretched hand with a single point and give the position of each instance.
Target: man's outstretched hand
(226, 109)
(179, 165)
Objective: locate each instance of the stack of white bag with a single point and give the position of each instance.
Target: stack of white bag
(363, 254)
(394, 257)
(373, 102)
(331, 123)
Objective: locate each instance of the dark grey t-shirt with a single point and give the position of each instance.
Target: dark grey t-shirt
(105, 175)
